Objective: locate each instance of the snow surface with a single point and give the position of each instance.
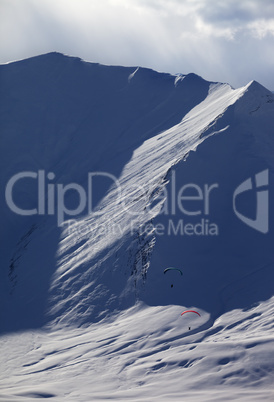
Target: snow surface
(86, 311)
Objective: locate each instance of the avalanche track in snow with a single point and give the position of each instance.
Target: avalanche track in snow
(141, 179)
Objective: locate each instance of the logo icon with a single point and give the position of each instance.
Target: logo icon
(260, 223)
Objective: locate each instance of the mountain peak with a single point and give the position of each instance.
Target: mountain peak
(255, 86)
(255, 98)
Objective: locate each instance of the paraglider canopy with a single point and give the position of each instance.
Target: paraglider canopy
(191, 311)
(173, 269)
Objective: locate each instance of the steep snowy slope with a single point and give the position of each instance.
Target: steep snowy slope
(94, 285)
(142, 178)
(227, 264)
(66, 117)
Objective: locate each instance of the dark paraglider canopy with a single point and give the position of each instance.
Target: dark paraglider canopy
(172, 269)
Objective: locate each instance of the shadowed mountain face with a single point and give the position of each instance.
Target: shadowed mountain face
(224, 249)
(63, 119)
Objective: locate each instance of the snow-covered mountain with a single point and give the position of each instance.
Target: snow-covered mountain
(110, 175)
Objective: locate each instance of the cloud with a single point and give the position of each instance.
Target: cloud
(220, 40)
(236, 12)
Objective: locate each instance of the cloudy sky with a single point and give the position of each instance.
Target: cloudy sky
(221, 40)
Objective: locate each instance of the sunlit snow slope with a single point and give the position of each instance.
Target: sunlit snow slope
(91, 293)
